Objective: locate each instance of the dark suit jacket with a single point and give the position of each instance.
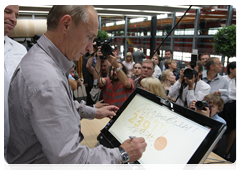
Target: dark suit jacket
(138, 56)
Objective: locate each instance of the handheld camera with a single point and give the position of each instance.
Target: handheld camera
(200, 105)
(189, 72)
(106, 49)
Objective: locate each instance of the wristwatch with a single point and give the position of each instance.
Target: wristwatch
(118, 69)
(124, 155)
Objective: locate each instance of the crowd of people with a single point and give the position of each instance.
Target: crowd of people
(42, 119)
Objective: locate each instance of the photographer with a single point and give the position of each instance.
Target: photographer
(118, 87)
(216, 104)
(185, 90)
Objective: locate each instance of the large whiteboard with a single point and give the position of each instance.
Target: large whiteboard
(171, 138)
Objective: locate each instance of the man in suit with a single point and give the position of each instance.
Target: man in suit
(138, 56)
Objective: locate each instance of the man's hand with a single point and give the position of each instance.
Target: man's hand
(181, 75)
(217, 93)
(99, 53)
(134, 147)
(113, 60)
(100, 104)
(204, 112)
(106, 111)
(192, 105)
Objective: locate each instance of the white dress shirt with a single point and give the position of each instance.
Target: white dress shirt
(201, 90)
(231, 87)
(157, 71)
(13, 54)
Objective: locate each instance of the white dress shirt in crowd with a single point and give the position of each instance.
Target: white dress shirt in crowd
(157, 71)
(13, 54)
(231, 87)
(201, 90)
(217, 83)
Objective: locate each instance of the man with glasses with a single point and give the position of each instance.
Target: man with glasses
(217, 83)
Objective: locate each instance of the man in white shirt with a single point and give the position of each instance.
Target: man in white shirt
(216, 81)
(192, 92)
(13, 53)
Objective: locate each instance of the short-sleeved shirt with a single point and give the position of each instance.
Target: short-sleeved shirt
(116, 95)
(129, 67)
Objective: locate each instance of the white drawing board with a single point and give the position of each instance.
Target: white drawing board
(171, 138)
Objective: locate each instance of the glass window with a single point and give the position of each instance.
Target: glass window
(142, 43)
(113, 25)
(138, 26)
(212, 18)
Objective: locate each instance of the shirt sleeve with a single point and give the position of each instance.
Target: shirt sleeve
(56, 124)
(157, 71)
(199, 93)
(174, 89)
(84, 110)
(225, 95)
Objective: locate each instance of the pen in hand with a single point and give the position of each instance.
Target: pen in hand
(131, 137)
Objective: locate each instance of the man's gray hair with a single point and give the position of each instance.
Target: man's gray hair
(79, 14)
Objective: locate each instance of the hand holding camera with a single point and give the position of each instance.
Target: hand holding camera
(106, 49)
(201, 107)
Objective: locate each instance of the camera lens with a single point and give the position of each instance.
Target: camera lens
(188, 73)
(106, 49)
(200, 105)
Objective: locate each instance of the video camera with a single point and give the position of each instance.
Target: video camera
(189, 72)
(200, 105)
(106, 49)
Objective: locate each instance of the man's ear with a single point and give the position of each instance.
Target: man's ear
(212, 67)
(65, 22)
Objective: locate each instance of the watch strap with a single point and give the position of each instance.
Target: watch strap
(118, 69)
(124, 156)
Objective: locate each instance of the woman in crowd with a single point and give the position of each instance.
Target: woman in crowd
(157, 70)
(172, 65)
(129, 63)
(154, 86)
(167, 79)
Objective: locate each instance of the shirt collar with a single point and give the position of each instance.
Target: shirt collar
(60, 59)
(204, 76)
